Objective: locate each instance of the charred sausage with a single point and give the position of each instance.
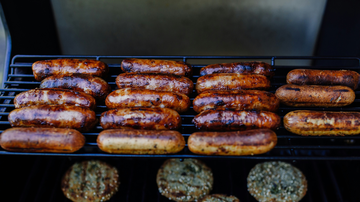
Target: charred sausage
(130, 97)
(53, 116)
(54, 140)
(239, 67)
(129, 141)
(45, 68)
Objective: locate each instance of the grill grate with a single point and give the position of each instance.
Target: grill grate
(19, 78)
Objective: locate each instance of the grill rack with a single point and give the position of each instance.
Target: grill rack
(19, 78)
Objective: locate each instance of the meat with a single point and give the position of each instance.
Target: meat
(239, 67)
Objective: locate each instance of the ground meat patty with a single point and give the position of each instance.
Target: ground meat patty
(188, 180)
(90, 181)
(219, 198)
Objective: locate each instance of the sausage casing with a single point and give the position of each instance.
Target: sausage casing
(54, 140)
(130, 97)
(236, 99)
(54, 96)
(141, 118)
(45, 68)
(129, 141)
(232, 81)
(239, 67)
(315, 95)
(323, 77)
(249, 142)
(227, 120)
(91, 85)
(152, 81)
(306, 122)
(53, 116)
(156, 66)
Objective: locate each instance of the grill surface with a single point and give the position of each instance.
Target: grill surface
(290, 147)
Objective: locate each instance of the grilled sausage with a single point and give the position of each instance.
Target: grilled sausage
(249, 142)
(130, 97)
(317, 123)
(45, 68)
(156, 66)
(93, 86)
(226, 120)
(54, 140)
(323, 77)
(53, 116)
(141, 118)
(128, 141)
(54, 96)
(236, 99)
(239, 67)
(152, 81)
(315, 96)
(232, 81)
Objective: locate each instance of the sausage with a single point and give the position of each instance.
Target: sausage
(240, 68)
(226, 120)
(323, 77)
(45, 68)
(156, 66)
(249, 142)
(54, 140)
(317, 123)
(232, 81)
(130, 97)
(53, 116)
(91, 85)
(315, 95)
(152, 81)
(236, 99)
(54, 96)
(128, 141)
(141, 118)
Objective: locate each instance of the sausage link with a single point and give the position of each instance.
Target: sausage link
(239, 67)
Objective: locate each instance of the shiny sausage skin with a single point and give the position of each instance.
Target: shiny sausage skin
(315, 95)
(141, 118)
(156, 66)
(45, 68)
(54, 96)
(227, 120)
(130, 97)
(323, 77)
(53, 116)
(236, 99)
(130, 141)
(54, 140)
(94, 86)
(239, 67)
(317, 123)
(232, 81)
(238, 143)
(152, 81)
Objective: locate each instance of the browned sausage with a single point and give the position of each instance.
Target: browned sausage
(232, 81)
(323, 77)
(239, 67)
(249, 142)
(156, 66)
(53, 116)
(315, 96)
(226, 120)
(141, 118)
(54, 96)
(237, 99)
(152, 81)
(55, 140)
(130, 97)
(91, 85)
(306, 122)
(45, 68)
(130, 141)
